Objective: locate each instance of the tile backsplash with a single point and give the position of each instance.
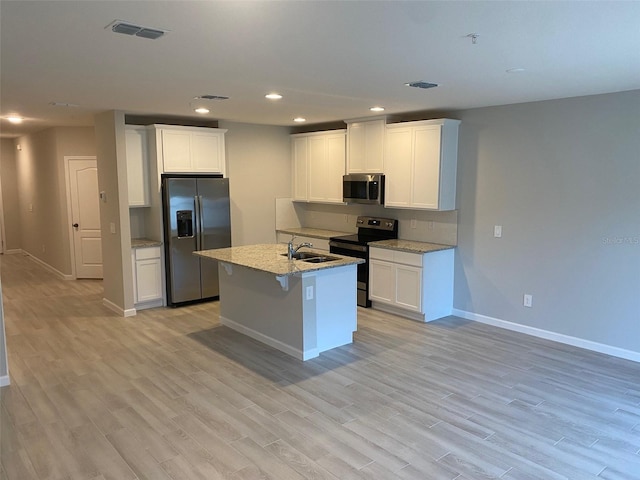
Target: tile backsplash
(419, 225)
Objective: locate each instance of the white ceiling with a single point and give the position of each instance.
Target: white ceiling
(330, 60)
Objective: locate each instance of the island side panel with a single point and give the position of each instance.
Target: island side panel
(336, 306)
(254, 303)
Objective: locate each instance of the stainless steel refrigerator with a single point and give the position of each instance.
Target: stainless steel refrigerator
(196, 217)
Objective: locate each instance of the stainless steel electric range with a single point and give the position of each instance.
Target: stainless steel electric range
(370, 229)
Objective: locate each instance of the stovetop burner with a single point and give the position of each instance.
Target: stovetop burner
(371, 229)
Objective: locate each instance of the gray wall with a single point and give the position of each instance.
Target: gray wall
(259, 171)
(9, 178)
(4, 365)
(563, 179)
(41, 184)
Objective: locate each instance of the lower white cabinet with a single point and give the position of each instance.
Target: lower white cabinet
(147, 277)
(416, 285)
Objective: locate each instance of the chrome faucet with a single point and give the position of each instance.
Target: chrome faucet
(291, 250)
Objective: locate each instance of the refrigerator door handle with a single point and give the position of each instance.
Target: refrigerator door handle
(201, 226)
(198, 215)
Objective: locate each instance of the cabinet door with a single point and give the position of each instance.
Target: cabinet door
(207, 151)
(176, 151)
(366, 146)
(317, 156)
(426, 171)
(399, 167)
(137, 167)
(299, 154)
(408, 287)
(334, 168)
(381, 281)
(148, 280)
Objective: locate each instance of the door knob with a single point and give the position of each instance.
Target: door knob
(75, 225)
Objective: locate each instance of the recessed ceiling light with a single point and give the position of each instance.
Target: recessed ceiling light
(273, 96)
(515, 70)
(299, 119)
(14, 119)
(201, 110)
(377, 109)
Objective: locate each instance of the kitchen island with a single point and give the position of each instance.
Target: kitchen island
(301, 307)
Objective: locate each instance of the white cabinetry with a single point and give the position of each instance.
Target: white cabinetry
(137, 166)
(365, 145)
(420, 164)
(147, 277)
(318, 161)
(415, 285)
(190, 149)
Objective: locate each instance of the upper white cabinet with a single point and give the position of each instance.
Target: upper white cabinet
(420, 164)
(365, 146)
(137, 166)
(318, 161)
(190, 149)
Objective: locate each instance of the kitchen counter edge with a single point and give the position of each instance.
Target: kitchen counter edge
(410, 246)
(144, 243)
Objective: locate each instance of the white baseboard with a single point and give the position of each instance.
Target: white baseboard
(130, 312)
(548, 335)
(272, 342)
(13, 251)
(53, 270)
(4, 381)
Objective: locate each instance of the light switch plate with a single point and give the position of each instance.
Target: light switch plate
(497, 231)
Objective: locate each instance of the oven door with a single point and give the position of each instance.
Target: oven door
(358, 251)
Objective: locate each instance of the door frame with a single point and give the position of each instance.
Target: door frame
(72, 250)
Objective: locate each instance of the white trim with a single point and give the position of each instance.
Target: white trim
(2, 232)
(392, 309)
(13, 251)
(53, 270)
(549, 335)
(272, 342)
(67, 181)
(130, 312)
(4, 381)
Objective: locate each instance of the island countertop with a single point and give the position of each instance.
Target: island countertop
(269, 258)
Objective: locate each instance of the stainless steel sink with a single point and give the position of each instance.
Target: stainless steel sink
(320, 259)
(311, 257)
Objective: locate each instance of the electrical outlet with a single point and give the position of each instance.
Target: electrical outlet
(43, 248)
(414, 223)
(31, 207)
(430, 225)
(112, 227)
(497, 231)
(346, 218)
(528, 300)
(309, 292)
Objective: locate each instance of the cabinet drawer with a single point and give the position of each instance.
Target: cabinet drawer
(146, 253)
(381, 254)
(406, 258)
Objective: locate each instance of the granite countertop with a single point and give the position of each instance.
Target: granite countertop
(313, 232)
(268, 258)
(410, 246)
(144, 242)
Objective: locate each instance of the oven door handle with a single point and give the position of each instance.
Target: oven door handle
(348, 246)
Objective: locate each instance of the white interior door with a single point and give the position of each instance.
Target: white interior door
(85, 217)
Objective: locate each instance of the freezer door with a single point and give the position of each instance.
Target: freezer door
(216, 228)
(183, 276)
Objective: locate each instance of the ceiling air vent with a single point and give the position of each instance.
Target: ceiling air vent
(128, 28)
(211, 97)
(421, 84)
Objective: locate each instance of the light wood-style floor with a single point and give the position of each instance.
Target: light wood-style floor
(172, 394)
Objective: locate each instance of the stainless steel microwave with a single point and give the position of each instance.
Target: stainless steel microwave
(363, 188)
